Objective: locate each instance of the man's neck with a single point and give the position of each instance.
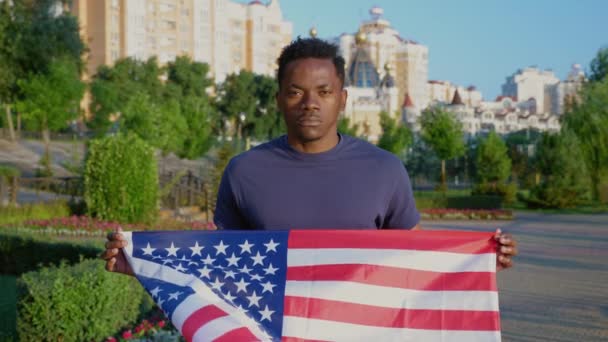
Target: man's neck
(315, 146)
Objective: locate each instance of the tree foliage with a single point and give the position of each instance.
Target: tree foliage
(565, 182)
(443, 133)
(589, 122)
(346, 127)
(395, 137)
(599, 66)
(493, 162)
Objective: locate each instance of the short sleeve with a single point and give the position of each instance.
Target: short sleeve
(227, 214)
(402, 212)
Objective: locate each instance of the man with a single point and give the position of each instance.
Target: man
(313, 177)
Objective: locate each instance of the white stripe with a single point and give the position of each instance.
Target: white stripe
(390, 297)
(215, 329)
(411, 259)
(315, 329)
(203, 294)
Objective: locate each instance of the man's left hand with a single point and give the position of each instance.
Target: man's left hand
(506, 250)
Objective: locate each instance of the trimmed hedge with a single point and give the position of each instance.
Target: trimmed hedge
(24, 253)
(77, 303)
(475, 202)
(121, 179)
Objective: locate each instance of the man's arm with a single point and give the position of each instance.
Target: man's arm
(227, 214)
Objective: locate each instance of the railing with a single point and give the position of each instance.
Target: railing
(180, 190)
(34, 135)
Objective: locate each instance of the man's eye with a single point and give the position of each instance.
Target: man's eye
(293, 93)
(324, 92)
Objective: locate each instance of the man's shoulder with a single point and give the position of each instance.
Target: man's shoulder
(256, 156)
(364, 149)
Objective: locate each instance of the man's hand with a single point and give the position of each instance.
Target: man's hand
(506, 250)
(114, 254)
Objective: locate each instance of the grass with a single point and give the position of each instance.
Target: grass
(8, 308)
(40, 211)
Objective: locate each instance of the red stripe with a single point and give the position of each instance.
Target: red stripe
(391, 317)
(396, 277)
(445, 241)
(298, 339)
(199, 318)
(241, 334)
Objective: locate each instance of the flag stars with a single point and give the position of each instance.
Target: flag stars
(196, 249)
(229, 274)
(217, 284)
(180, 268)
(208, 260)
(246, 247)
(172, 250)
(204, 272)
(258, 259)
(270, 270)
(175, 295)
(233, 260)
(155, 291)
(268, 286)
(148, 250)
(241, 285)
(245, 269)
(266, 313)
(229, 297)
(221, 248)
(271, 246)
(254, 300)
(256, 277)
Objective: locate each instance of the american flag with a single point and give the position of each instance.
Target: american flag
(322, 285)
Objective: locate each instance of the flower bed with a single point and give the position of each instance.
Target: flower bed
(466, 214)
(155, 328)
(86, 226)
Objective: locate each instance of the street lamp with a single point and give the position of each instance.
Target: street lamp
(241, 118)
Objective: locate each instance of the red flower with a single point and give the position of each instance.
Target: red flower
(111, 339)
(160, 324)
(127, 335)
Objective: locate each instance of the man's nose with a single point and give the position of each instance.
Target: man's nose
(310, 101)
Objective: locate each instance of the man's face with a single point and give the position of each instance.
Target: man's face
(311, 98)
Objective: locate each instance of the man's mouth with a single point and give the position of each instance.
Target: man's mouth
(308, 121)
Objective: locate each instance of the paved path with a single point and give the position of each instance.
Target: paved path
(558, 290)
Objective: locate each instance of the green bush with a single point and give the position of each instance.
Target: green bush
(507, 192)
(76, 303)
(40, 211)
(121, 180)
(9, 171)
(20, 254)
(475, 202)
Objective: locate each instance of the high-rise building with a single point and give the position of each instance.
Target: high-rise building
(531, 84)
(407, 59)
(229, 36)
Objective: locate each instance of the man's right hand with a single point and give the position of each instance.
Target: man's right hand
(114, 254)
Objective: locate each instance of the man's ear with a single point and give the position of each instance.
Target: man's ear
(344, 96)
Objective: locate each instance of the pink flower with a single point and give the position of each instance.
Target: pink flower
(127, 335)
(160, 324)
(111, 339)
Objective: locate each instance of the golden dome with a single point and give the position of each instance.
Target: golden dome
(387, 67)
(313, 32)
(360, 37)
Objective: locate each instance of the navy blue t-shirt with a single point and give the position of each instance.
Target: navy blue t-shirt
(355, 185)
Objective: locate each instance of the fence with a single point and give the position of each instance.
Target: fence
(180, 190)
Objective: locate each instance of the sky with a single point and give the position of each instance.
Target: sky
(474, 42)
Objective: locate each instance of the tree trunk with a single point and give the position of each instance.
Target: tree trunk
(9, 120)
(443, 175)
(19, 124)
(46, 137)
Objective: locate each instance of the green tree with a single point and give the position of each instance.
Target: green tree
(589, 122)
(113, 87)
(160, 125)
(345, 127)
(246, 101)
(395, 137)
(443, 133)
(8, 67)
(187, 78)
(599, 66)
(51, 100)
(565, 182)
(493, 162)
(198, 114)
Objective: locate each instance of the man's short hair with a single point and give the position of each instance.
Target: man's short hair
(310, 48)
